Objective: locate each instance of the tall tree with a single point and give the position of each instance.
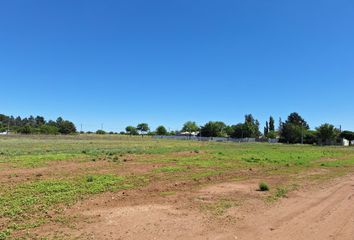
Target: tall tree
(266, 129)
(327, 134)
(190, 127)
(293, 129)
(161, 130)
(143, 128)
(214, 129)
(271, 124)
(131, 130)
(251, 127)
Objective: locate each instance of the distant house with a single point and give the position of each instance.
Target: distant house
(346, 142)
(188, 134)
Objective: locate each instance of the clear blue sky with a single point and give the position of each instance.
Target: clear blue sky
(166, 62)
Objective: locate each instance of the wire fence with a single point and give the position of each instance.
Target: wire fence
(216, 139)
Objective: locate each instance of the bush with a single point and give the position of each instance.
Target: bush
(100, 132)
(25, 130)
(263, 187)
(47, 129)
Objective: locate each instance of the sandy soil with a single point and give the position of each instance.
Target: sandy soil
(321, 212)
(326, 213)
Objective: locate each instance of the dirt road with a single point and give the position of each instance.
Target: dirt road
(318, 213)
(327, 213)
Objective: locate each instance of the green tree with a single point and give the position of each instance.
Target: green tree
(131, 130)
(271, 134)
(161, 130)
(238, 130)
(100, 132)
(266, 129)
(251, 127)
(48, 129)
(310, 137)
(293, 129)
(190, 127)
(25, 130)
(271, 124)
(326, 134)
(66, 127)
(347, 135)
(39, 120)
(214, 129)
(143, 128)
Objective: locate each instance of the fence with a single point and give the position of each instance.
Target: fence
(215, 139)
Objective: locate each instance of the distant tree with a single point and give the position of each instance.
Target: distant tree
(296, 119)
(266, 129)
(291, 133)
(347, 135)
(280, 125)
(251, 127)
(293, 129)
(66, 127)
(271, 124)
(214, 129)
(310, 137)
(161, 130)
(51, 123)
(229, 130)
(18, 121)
(143, 128)
(190, 127)
(31, 121)
(326, 134)
(101, 132)
(48, 129)
(25, 130)
(39, 120)
(131, 130)
(237, 130)
(271, 134)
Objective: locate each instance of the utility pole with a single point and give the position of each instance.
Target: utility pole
(81, 127)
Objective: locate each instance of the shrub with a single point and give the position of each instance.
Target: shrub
(263, 187)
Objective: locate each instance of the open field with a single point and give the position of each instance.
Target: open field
(120, 187)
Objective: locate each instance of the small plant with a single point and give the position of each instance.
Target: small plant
(281, 192)
(263, 187)
(89, 179)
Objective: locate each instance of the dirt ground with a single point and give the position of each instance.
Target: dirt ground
(323, 211)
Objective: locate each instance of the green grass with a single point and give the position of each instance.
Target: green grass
(41, 195)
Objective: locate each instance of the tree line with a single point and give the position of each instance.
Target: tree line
(293, 130)
(36, 125)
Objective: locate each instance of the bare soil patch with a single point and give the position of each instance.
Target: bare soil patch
(320, 212)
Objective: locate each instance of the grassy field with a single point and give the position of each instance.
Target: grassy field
(41, 176)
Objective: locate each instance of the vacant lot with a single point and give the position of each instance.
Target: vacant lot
(116, 187)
